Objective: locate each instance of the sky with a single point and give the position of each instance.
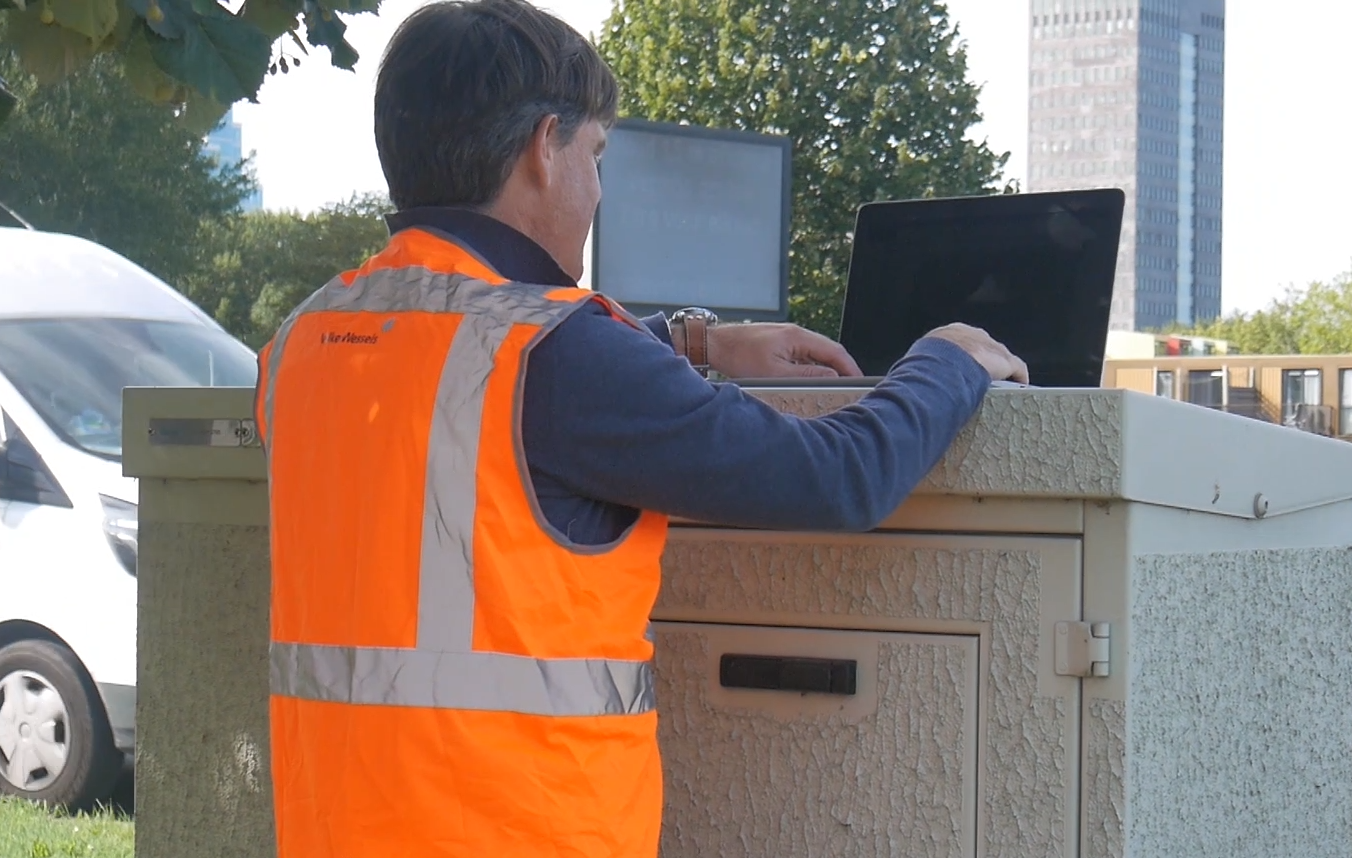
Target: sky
(1287, 216)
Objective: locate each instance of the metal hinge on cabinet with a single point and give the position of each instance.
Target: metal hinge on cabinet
(1081, 649)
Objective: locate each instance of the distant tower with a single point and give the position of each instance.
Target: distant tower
(225, 143)
(1130, 94)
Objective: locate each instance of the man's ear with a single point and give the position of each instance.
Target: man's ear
(541, 155)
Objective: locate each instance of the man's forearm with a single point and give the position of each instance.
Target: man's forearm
(636, 429)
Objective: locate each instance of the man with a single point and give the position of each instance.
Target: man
(472, 463)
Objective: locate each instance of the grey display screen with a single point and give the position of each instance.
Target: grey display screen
(693, 217)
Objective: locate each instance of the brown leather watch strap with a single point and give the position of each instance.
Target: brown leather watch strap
(697, 342)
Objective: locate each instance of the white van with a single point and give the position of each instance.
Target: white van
(78, 323)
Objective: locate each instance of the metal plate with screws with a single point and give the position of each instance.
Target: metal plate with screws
(202, 432)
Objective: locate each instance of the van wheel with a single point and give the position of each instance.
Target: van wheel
(55, 744)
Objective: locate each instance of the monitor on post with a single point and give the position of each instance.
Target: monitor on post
(694, 216)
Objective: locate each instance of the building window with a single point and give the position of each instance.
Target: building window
(1206, 387)
(1345, 412)
(1164, 383)
(1299, 387)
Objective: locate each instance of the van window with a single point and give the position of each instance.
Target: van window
(72, 371)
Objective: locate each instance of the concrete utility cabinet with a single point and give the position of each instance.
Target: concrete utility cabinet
(1106, 625)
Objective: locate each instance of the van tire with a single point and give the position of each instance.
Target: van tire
(92, 762)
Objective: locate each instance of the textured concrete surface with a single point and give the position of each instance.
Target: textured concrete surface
(1016, 445)
(1062, 444)
(747, 783)
(1105, 445)
(203, 786)
(1225, 732)
(1029, 743)
(1105, 765)
(1240, 730)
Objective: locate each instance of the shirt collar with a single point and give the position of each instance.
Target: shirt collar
(506, 250)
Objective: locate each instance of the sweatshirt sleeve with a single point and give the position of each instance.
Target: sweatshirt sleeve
(613, 414)
(661, 328)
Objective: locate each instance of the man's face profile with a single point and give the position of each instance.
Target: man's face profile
(572, 191)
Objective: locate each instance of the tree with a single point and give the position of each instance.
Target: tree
(873, 94)
(7, 100)
(1316, 319)
(89, 157)
(195, 54)
(258, 267)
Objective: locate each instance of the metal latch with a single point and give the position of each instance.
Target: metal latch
(1082, 649)
(203, 432)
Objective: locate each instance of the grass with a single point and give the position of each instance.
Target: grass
(30, 831)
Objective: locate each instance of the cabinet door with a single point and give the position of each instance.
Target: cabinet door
(1006, 591)
(782, 742)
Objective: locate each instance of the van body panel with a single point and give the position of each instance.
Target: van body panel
(50, 275)
(101, 323)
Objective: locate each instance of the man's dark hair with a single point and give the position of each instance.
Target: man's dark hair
(463, 86)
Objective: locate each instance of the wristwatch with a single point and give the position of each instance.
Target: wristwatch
(695, 322)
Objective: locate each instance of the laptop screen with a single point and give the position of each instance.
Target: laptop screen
(1035, 270)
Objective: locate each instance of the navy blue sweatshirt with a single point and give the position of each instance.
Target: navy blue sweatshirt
(614, 421)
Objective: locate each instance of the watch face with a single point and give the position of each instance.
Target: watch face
(694, 313)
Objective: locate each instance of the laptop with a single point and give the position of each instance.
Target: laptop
(1035, 270)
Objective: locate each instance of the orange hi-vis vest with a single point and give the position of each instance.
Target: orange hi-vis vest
(449, 676)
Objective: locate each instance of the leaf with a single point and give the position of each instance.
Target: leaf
(201, 114)
(349, 6)
(273, 17)
(48, 51)
(324, 28)
(126, 22)
(208, 8)
(12, 4)
(139, 66)
(167, 18)
(8, 101)
(93, 18)
(223, 58)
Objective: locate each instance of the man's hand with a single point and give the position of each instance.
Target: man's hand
(776, 350)
(994, 357)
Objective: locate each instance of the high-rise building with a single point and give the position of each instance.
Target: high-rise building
(225, 143)
(1130, 94)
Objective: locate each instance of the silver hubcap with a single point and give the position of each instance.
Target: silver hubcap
(34, 731)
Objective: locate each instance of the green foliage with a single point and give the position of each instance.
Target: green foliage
(195, 54)
(257, 268)
(7, 101)
(28, 830)
(872, 92)
(89, 157)
(1315, 320)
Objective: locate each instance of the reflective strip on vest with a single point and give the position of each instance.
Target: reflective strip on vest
(442, 671)
(484, 681)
